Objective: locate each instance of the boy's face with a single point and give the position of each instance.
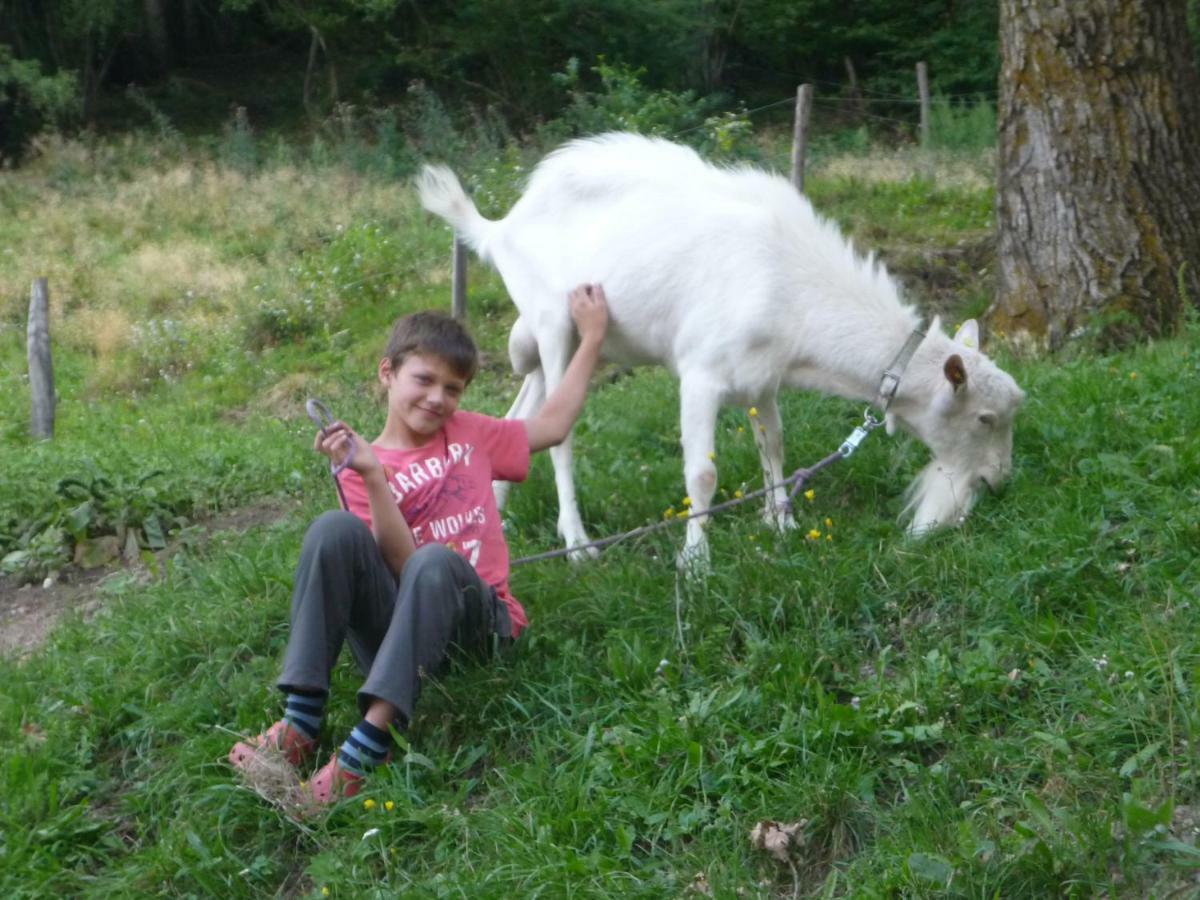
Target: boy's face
(421, 394)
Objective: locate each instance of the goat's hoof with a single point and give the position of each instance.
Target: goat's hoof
(580, 554)
(779, 520)
(693, 561)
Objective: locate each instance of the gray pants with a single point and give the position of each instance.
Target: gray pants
(399, 630)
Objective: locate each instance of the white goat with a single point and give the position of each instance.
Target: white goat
(729, 279)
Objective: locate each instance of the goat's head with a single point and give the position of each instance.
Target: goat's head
(961, 405)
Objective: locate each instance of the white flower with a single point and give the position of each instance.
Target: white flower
(370, 833)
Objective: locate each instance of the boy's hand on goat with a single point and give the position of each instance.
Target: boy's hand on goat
(589, 309)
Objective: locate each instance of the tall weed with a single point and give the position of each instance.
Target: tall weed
(962, 127)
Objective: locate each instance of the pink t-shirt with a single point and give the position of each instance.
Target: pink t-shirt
(444, 491)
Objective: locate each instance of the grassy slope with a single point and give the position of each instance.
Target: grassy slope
(1004, 708)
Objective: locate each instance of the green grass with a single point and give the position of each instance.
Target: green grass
(1006, 709)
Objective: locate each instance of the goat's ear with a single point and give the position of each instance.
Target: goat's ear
(956, 372)
(968, 334)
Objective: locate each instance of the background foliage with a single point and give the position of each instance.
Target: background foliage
(195, 59)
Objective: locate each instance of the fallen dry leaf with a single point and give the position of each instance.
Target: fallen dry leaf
(778, 838)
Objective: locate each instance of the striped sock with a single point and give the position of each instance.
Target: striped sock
(366, 748)
(304, 713)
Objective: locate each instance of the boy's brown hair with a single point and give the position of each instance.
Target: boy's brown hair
(435, 334)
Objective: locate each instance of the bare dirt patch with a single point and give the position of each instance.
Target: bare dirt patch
(944, 277)
(29, 612)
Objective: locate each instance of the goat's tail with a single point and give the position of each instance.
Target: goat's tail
(442, 194)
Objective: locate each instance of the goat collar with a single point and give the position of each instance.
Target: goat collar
(889, 382)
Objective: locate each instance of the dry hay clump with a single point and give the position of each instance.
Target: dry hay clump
(285, 399)
(274, 779)
(181, 274)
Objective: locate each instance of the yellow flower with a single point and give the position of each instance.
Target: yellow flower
(829, 537)
(753, 411)
(1133, 374)
(741, 430)
(669, 513)
(389, 805)
(810, 495)
(828, 522)
(814, 534)
(712, 456)
(368, 804)
(324, 892)
(738, 494)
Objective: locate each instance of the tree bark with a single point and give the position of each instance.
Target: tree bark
(1099, 169)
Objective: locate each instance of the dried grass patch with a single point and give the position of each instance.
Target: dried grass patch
(905, 164)
(270, 776)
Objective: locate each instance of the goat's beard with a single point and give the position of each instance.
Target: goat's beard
(939, 496)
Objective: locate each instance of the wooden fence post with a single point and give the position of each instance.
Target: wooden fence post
(458, 297)
(41, 371)
(804, 95)
(923, 91)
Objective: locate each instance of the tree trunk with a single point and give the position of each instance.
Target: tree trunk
(91, 81)
(318, 43)
(857, 104)
(718, 35)
(191, 27)
(157, 35)
(1099, 169)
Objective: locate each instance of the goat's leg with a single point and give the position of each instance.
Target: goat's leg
(555, 349)
(700, 400)
(768, 437)
(529, 400)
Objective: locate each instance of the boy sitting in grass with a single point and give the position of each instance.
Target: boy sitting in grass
(417, 564)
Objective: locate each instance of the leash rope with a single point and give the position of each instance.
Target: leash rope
(320, 414)
(797, 480)
(889, 383)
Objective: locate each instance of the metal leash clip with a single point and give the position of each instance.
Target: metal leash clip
(859, 434)
(323, 418)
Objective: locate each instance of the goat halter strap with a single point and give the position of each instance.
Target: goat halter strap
(889, 382)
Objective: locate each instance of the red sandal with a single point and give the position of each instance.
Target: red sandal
(331, 783)
(280, 738)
